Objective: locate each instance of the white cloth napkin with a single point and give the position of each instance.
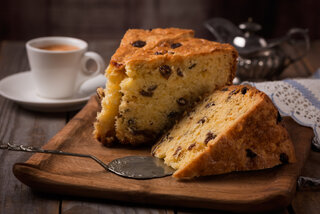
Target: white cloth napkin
(297, 98)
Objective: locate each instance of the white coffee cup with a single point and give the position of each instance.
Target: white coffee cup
(59, 73)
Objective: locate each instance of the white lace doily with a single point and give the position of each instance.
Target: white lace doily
(297, 98)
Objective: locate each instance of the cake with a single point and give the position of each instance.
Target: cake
(236, 128)
(153, 77)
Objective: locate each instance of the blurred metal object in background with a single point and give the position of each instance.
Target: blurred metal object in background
(259, 59)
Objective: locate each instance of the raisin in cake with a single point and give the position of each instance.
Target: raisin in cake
(153, 77)
(236, 128)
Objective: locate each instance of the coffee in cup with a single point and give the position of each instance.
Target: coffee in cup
(59, 47)
(59, 65)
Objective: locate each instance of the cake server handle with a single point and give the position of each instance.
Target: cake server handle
(307, 183)
(22, 148)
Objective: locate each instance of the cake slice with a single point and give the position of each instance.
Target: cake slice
(236, 128)
(153, 77)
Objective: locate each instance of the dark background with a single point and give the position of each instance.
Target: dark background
(109, 19)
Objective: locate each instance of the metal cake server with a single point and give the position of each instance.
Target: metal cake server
(135, 167)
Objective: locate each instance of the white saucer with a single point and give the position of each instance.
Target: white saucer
(20, 89)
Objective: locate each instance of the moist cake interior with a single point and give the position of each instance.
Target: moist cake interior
(216, 115)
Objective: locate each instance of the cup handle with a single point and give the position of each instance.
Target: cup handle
(86, 74)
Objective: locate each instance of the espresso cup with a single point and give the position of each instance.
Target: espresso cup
(59, 65)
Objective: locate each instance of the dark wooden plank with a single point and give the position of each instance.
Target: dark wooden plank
(296, 69)
(22, 127)
(22, 20)
(12, 58)
(182, 14)
(309, 201)
(312, 59)
(199, 211)
(93, 19)
(307, 65)
(301, 14)
(88, 207)
(105, 48)
(100, 19)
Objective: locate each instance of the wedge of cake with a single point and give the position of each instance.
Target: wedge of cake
(236, 128)
(153, 77)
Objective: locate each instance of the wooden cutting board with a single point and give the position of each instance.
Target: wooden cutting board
(239, 191)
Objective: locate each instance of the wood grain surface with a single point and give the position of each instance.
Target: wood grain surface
(109, 19)
(243, 191)
(33, 128)
(23, 127)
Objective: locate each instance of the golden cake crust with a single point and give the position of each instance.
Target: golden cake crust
(258, 140)
(163, 43)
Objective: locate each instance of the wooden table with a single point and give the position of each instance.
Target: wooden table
(34, 128)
